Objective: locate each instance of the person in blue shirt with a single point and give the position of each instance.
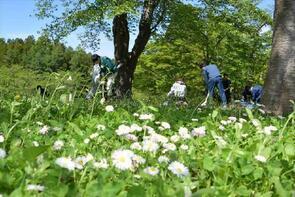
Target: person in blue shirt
(212, 79)
(254, 93)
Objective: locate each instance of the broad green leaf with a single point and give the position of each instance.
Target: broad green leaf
(214, 114)
(243, 191)
(290, 149)
(208, 164)
(136, 191)
(31, 153)
(250, 114)
(258, 173)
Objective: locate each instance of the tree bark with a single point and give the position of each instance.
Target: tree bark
(121, 43)
(280, 80)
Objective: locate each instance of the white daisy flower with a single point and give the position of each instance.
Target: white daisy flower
(32, 187)
(184, 147)
(200, 131)
(244, 135)
(256, 123)
(2, 153)
(135, 114)
(268, 130)
(174, 138)
(136, 146)
(184, 133)
(169, 146)
(1, 138)
(58, 145)
(131, 137)
(137, 176)
(242, 120)
(149, 129)
(138, 159)
(93, 136)
(102, 101)
(232, 119)
(86, 141)
(135, 127)
(44, 130)
(123, 130)
(149, 146)
(158, 138)
(223, 122)
(163, 159)
(100, 127)
(65, 162)
(151, 171)
(81, 161)
(161, 128)
(109, 108)
(122, 159)
(35, 143)
(178, 169)
(165, 125)
(146, 117)
(103, 163)
(220, 141)
(221, 127)
(260, 158)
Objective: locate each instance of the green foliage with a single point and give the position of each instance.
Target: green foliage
(221, 163)
(227, 33)
(95, 17)
(43, 55)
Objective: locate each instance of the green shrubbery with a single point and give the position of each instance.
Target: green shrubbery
(63, 145)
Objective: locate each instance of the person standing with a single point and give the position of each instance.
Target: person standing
(212, 79)
(226, 85)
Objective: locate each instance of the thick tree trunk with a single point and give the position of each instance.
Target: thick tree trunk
(280, 81)
(121, 43)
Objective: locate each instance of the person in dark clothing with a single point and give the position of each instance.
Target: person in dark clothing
(226, 85)
(42, 91)
(252, 93)
(213, 79)
(247, 95)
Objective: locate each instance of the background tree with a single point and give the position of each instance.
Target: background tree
(227, 33)
(96, 17)
(280, 81)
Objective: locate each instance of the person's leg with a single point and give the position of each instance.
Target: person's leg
(110, 83)
(211, 85)
(92, 91)
(221, 90)
(227, 94)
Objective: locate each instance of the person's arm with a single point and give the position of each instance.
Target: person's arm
(172, 90)
(205, 75)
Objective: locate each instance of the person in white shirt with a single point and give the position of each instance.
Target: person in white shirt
(96, 75)
(178, 92)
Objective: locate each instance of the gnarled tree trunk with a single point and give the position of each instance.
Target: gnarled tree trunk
(129, 60)
(280, 81)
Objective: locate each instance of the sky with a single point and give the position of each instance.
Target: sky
(17, 20)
